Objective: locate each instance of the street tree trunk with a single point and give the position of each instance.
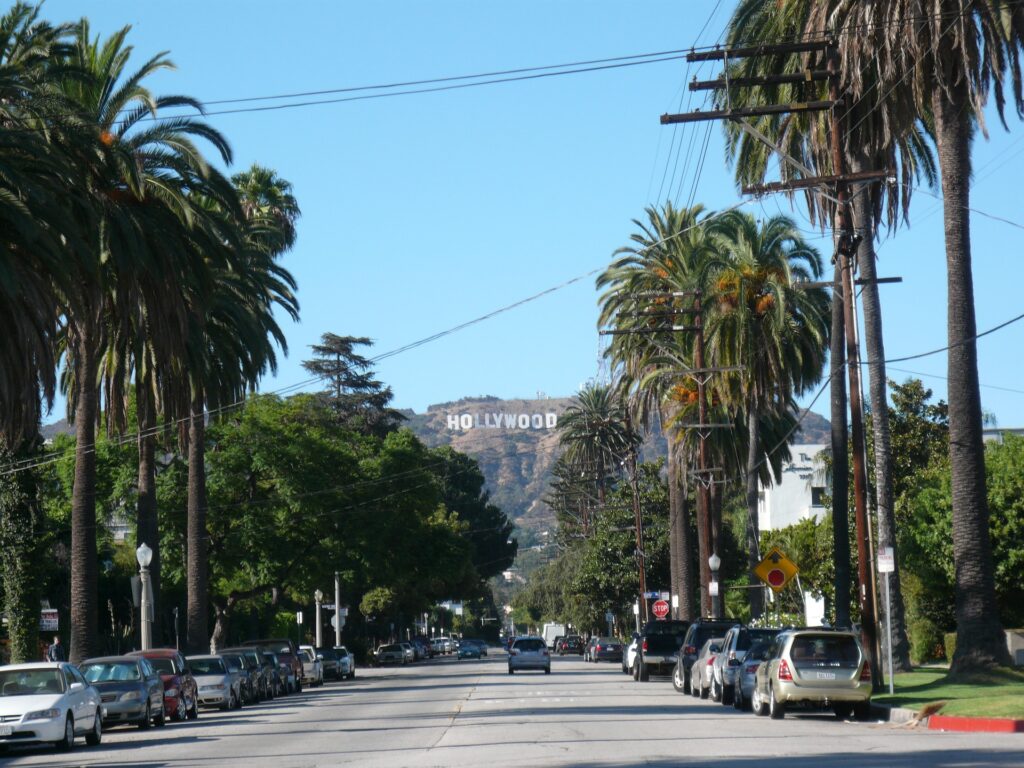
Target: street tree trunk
(980, 641)
(146, 525)
(679, 521)
(755, 594)
(83, 502)
(197, 624)
(840, 457)
(878, 398)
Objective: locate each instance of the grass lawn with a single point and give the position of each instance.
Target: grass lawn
(999, 693)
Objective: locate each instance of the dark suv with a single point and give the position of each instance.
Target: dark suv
(656, 648)
(570, 644)
(698, 633)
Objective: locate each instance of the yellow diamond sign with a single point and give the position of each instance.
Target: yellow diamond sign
(776, 569)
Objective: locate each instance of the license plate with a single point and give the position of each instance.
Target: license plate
(826, 675)
(6, 730)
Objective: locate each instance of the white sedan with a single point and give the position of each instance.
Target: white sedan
(48, 702)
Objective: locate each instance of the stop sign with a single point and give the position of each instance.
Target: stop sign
(660, 608)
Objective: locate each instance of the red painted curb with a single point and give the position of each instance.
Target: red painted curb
(975, 724)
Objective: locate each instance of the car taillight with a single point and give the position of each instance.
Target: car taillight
(545, 652)
(645, 644)
(865, 673)
(751, 669)
(597, 647)
(689, 650)
(512, 652)
(711, 660)
(784, 673)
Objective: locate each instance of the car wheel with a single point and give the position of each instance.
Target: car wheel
(352, 675)
(161, 720)
(68, 741)
(704, 692)
(757, 703)
(547, 670)
(842, 710)
(636, 670)
(645, 673)
(229, 704)
(677, 680)
(737, 698)
(862, 710)
(193, 714)
(694, 687)
(147, 719)
(776, 709)
(727, 694)
(95, 736)
(511, 671)
(686, 680)
(713, 690)
(180, 712)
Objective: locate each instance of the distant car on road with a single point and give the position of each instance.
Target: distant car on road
(603, 649)
(391, 654)
(48, 702)
(656, 655)
(529, 653)
(570, 644)
(218, 686)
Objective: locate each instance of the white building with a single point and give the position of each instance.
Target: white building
(797, 497)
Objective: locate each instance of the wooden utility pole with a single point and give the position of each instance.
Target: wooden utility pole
(846, 246)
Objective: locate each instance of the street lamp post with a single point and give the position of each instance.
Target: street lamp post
(319, 597)
(337, 608)
(714, 563)
(145, 556)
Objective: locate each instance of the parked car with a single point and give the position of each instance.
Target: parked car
(409, 651)
(426, 647)
(603, 649)
(814, 668)
(734, 647)
(743, 687)
(656, 655)
(570, 644)
(421, 648)
(328, 660)
(49, 702)
(275, 644)
(130, 690)
(236, 664)
(312, 667)
(218, 685)
(700, 671)
(263, 676)
(181, 695)
(629, 655)
(698, 633)
(391, 654)
(480, 645)
(529, 653)
(291, 671)
(556, 644)
(346, 662)
(277, 676)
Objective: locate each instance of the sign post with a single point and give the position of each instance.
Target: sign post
(886, 565)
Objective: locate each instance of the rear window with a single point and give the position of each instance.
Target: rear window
(749, 636)
(163, 666)
(207, 666)
(824, 651)
(529, 644)
(663, 643)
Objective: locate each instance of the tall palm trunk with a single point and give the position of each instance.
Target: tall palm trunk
(20, 551)
(877, 395)
(146, 526)
(755, 593)
(197, 635)
(83, 500)
(679, 523)
(840, 457)
(980, 639)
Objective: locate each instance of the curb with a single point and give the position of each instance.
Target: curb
(975, 724)
(893, 714)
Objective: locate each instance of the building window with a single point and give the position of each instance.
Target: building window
(817, 496)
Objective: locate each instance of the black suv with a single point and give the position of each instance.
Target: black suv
(698, 633)
(656, 648)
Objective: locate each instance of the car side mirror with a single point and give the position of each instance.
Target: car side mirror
(320, 657)
(76, 688)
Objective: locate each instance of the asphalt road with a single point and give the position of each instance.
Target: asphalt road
(451, 713)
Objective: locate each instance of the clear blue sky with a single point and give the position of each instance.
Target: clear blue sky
(421, 212)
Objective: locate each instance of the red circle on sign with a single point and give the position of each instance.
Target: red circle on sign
(660, 609)
(776, 577)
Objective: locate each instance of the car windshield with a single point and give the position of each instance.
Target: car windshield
(162, 666)
(824, 651)
(30, 682)
(607, 641)
(111, 672)
(329, 654)
(529, 644)
(233, 663)
(391, 649)
(758, 649)
(207, 666)
(342, 652)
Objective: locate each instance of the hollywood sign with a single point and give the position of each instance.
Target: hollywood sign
(502, 420)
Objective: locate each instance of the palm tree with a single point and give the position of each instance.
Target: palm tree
(232, 340)
(873, 142)
(135, 178)
(668, 249)
(767, 325)
(902, 63)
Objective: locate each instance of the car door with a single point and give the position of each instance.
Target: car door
(75, 699)
(153, 684)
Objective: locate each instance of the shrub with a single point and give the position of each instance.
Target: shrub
(950, 642)
(925, 641)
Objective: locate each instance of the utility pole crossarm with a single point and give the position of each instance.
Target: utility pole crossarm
(815, 181)
(807, 76)
(724, 54)
(733, 114)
